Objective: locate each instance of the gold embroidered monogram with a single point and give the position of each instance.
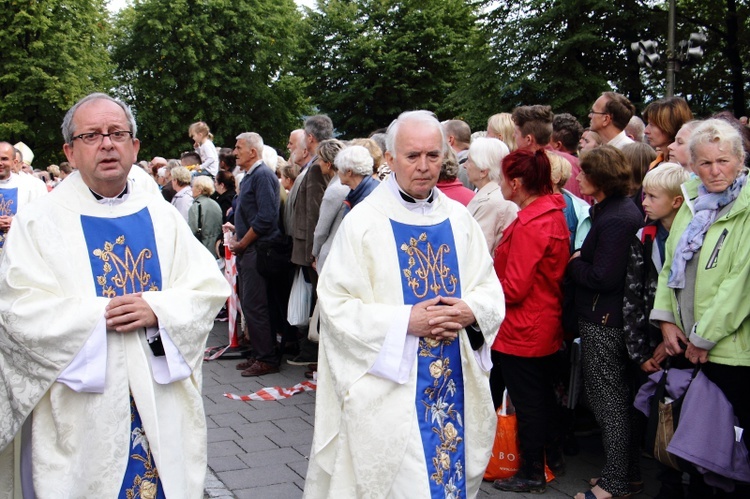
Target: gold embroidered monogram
(6, 207)
(129, 274)
(427, 270)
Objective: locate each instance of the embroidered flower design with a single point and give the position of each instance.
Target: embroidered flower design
(148, 490)
(436, 368)
(449, 433)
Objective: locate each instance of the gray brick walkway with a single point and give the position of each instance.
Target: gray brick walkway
(260, 450)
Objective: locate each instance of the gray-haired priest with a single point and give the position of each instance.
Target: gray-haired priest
(106, 300)
(410, 306)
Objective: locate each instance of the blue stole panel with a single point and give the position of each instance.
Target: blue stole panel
(8, 206)
(124, 260)
(429, 268)
(122, 252)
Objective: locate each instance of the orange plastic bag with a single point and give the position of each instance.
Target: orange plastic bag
(504, 460)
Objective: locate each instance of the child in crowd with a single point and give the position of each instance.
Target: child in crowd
(662, 198)
(204, 146)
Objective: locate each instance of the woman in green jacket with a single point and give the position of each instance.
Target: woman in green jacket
(701, 300)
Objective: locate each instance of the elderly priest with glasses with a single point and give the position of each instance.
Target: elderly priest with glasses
(106, 300)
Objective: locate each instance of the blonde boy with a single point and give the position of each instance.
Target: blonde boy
(662, 198)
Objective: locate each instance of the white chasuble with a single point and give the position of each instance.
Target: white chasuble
(14, 193)
(57, 274)
(397, 416)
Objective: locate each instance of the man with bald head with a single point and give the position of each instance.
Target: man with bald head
(106, 301)
(408, 314)
(15, 190)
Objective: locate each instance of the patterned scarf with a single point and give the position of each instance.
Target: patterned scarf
(707, 206)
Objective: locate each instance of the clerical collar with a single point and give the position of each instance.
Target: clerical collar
(113, 200)
(5, 181)
(410, 199)
(424, 206)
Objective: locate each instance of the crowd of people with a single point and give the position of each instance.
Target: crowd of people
(446, 268)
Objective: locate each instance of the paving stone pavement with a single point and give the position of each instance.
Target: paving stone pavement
(260, 450)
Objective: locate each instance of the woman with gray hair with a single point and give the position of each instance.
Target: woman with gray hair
(182, 199)
(204, 215)
(488, 206)
(332, 207)
(355, 171)
(710, 324)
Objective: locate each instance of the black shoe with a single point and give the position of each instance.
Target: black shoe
(518, 484)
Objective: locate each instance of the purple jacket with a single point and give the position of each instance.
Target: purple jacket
(705, 435)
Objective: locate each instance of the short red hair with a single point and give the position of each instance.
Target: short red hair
(533, 168)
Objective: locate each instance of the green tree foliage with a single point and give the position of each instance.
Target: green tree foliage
(226, 62)
(369, 60)
(727, 56)
(53, 53)
(566, 52)
(558, 52)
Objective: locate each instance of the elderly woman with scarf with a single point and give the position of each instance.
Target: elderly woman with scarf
(355, 171)
(710, 323)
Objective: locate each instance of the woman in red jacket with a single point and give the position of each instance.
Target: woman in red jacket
(530, 263)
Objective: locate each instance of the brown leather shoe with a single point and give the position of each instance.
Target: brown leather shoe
(259, 369)
(245, 364)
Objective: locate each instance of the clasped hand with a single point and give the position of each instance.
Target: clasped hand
(674, 339)
(128, 313)
(439, 318)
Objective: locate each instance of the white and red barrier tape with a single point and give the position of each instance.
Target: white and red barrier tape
(275, 392)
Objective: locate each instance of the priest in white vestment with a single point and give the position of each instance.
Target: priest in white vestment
(106, 301)
(409, 308)
(15, 191)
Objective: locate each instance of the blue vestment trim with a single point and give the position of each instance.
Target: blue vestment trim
(123, 255)
(429, 268)
(141, 476)
(124, 260)
(8, 207)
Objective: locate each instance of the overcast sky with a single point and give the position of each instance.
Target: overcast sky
(116, 5)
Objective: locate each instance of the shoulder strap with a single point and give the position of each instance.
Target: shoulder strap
(200, 217)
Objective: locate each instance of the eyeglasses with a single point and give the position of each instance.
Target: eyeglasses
(94, 138)
(591, 111)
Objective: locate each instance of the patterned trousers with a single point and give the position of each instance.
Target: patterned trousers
(604, 361)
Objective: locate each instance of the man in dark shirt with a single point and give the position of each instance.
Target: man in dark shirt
(256, 219)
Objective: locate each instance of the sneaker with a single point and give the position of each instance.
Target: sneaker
(260, 368)
(301, 360)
